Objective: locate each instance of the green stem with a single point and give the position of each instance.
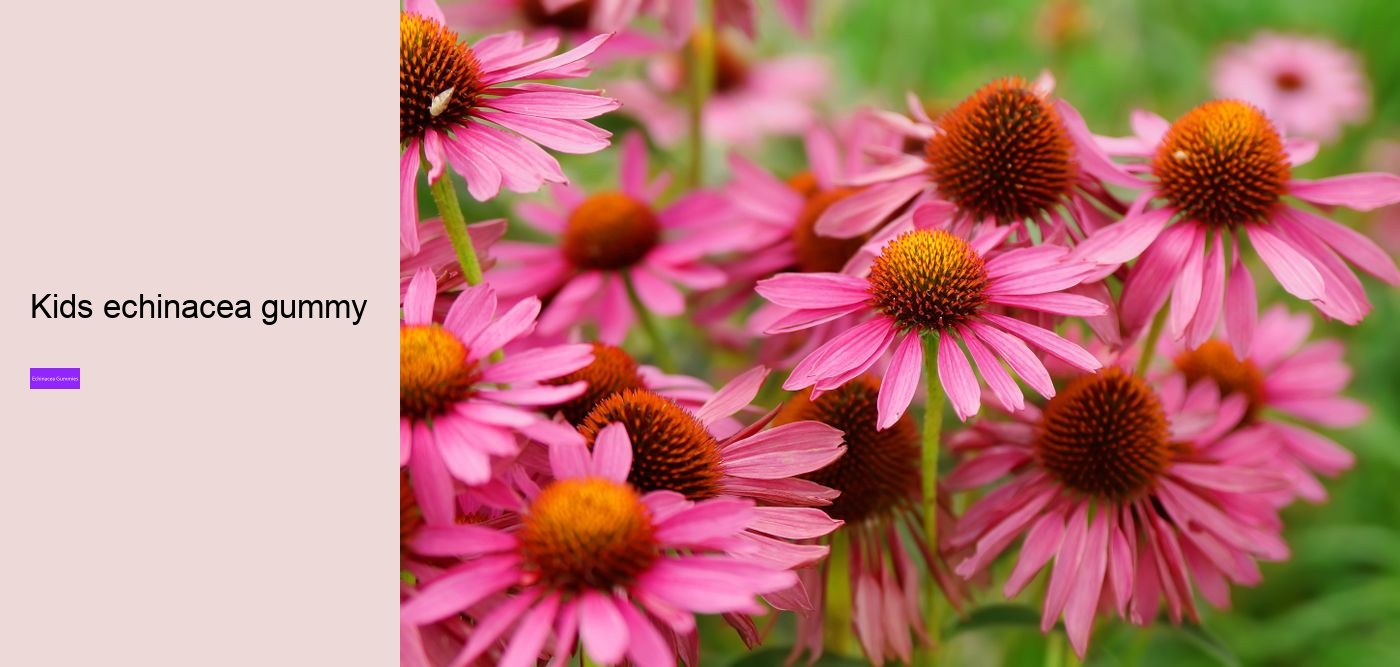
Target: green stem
(838, 595)
(1137, 648)
(933, 425)
(450, 210)
(1149, 344)
(659, 349)
(445, 196)
(1071, 659)
(1054, 649)
(701, 67)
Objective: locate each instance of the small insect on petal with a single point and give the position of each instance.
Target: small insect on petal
(440, 101)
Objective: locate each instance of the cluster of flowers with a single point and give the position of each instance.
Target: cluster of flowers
(559, 496)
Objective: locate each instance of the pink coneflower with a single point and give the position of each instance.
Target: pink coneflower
(573, 21)
(432, 645)
(1222, 171)
(978, 167)
(780, 217)
(1284, 375)
(879, 481)
(411, 520)
(610, 240)
(689, 452)
(699, 455)
(456, 107)
(677, 450)
(1311, 87)
(454, 410)
(558, 16)
(752, 99)
(410, 517)
(678, 16)
(1131, 492)
(935, 283)
(593, 558)
(614, 371)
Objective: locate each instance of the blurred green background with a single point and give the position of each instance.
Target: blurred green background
(1337, 600)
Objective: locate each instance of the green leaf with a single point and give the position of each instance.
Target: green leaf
(776, 656)
(995, 615)
(1208, 644)
(1358, 610)
(1341, 546)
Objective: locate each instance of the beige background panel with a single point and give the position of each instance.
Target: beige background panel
(218, 492)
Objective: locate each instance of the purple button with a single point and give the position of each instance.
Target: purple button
(55, 378)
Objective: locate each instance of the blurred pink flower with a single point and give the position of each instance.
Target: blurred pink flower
(455, 411)
(1131, 491)
(932, 282)
(455, 108)
(1284, 376)
(1387, 228)
(780, 217)
(1385, 222)
(752, 98)
(1223, 170)
(610, 240)
(1310, 87)
(572, 21)
(542, 15)
(678, 16)
(595, 560)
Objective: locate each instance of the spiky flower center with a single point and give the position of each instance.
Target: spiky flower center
(671, 449)
(588, 534)
(1215, 360)
(435, 371)
(928, 280)
(816, 253)
(1105, 435)
(880, 470)
(610, 231)
(1223, 163)
(1002, 153)
(439, 77)
(613, 371)
(573, 17)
